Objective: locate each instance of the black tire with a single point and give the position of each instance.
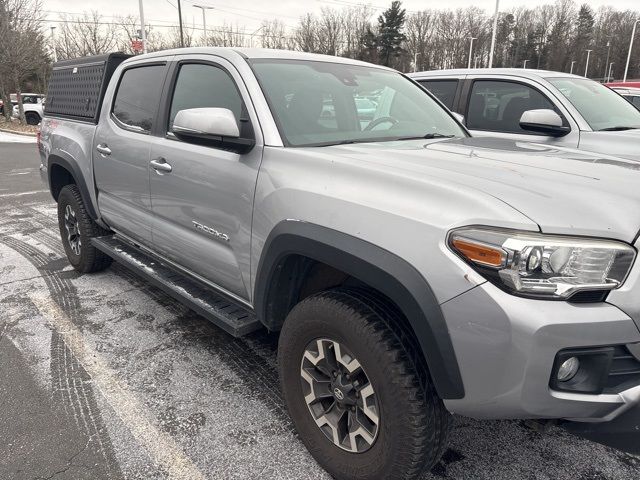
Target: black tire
(413, 423)
(85, 258)
(32, 118)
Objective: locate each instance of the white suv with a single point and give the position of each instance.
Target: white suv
(32, 104)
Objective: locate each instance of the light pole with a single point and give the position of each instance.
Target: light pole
(610, 68)
(524, 64)
(253, 35)
(586, 67)
(633, 34)
(606, 64)
(471, 50)
(573, 62)
(415, 61)
(143, 34)
(493, 35)
(204, 21)
(53, 44)
(180, 21)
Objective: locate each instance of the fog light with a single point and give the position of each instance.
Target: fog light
(568, 369)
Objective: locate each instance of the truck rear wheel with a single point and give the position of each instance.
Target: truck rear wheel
(353, 392)
(76, 230)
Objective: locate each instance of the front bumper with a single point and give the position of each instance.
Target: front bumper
(506, 346)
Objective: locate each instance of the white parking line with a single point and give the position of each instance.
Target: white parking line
(32, 192)
(160, 447)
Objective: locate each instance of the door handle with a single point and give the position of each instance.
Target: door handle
(103, 149)
(160, 165)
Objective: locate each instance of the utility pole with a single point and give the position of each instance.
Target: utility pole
(143, 33)
(204, 21)
(415, 61)
(471, 50)
(53, 44)
(573, 62)
(633, 34)
(495, 32)
(180, 20)
(586, 67)
(606, 64)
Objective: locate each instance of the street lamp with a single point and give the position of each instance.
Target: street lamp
(253, 35)
(633, 34)
(586, 67)
(610, 68)
(53, 44)
(572, 64)
(493, 35)
(607, 62)
(204, 21)
(524, 64)
(471, 50)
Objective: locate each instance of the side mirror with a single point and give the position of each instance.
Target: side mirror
(211, 126)
(458, 116)
(543, 121)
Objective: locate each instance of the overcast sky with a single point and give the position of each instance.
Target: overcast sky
(251, 12)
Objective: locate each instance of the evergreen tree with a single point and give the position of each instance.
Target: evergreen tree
(390, 36)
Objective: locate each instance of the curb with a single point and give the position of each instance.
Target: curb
(24, 134)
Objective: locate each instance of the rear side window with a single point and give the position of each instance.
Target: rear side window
(498, 105)
(200, 86)
(138, 97)
(444, 90)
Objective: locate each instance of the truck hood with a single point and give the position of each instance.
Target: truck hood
(564, 191)
(621, 144)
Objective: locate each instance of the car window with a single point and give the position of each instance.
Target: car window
(444, 90)
(204, 86)
(138, 96)
(601, 107)
(498, 105)
(323, 103)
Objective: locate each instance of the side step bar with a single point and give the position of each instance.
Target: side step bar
(233, 318)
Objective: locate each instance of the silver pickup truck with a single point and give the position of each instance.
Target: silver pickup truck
(412, 270)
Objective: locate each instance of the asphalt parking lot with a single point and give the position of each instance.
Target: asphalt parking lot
(104, 376)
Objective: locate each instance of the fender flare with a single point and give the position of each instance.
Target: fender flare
(68, 163)
(377, 267)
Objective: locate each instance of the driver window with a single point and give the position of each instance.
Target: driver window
(201, 86)
(498, 105)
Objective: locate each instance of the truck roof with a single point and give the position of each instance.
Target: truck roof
(255, 53)
(519, 72)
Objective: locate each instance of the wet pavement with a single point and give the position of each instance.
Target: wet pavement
(104, 376)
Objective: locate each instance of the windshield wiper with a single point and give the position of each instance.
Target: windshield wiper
(616, 129)
(427, 136)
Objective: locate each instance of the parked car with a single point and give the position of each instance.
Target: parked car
(540, 106)
(32, 103)
(410, 269)
(631, 94)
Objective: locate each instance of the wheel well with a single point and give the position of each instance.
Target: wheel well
(58, 178)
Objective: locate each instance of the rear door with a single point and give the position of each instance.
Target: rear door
(203, 207)
(447, 90)
(121, 150)
(493, 106)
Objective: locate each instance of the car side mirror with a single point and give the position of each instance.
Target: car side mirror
(544, 121)
(211, 126)
(458, 116)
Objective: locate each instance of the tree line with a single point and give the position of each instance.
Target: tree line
(554, 36)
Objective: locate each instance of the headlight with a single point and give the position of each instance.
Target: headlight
(544, 266)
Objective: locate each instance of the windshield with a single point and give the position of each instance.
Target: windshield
(601, 107)
(321, 103)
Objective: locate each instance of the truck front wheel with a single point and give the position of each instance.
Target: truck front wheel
(76, 230)
(354, 393)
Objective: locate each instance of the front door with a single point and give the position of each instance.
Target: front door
(122, 148)
(203, 207)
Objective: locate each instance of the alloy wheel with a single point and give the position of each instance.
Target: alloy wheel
(73, 231)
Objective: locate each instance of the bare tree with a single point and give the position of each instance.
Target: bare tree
(273, 34)
(22, 52)
(85, 35)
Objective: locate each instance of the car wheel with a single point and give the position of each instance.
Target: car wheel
(32, 118)
(354, 393)
(76, 230)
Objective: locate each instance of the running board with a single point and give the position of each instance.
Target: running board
(232, 317)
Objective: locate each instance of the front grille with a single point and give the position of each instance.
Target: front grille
(624, 372)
